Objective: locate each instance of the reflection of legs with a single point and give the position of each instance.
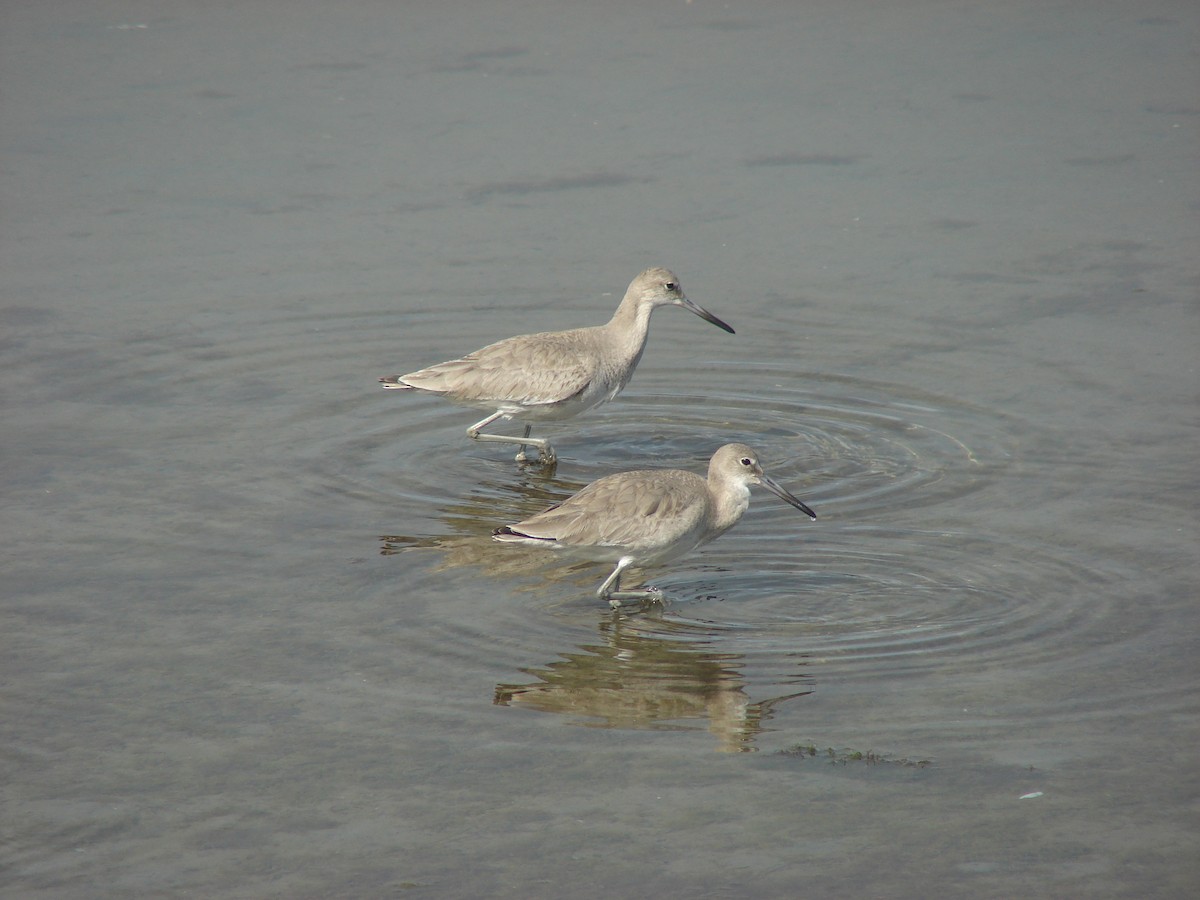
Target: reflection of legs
(545, 451)
(611, 589)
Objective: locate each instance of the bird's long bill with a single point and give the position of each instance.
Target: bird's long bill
(785, 495)
(704, 314)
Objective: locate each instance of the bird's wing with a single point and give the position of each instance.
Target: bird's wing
(531, 370)
(622, 510)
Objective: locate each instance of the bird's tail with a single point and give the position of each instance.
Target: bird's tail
(393, 382)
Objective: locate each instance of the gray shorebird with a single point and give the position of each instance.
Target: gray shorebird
(555, 374)
(648, 516)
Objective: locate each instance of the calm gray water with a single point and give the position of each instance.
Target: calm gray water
(256, 641)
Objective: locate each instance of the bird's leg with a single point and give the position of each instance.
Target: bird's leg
(521, 457)
(473, 430)
(545, 451)
(546, 456)
(613, 581)
(646, 595)
(611, 591)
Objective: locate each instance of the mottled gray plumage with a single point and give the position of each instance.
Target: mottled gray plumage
(649, 516)
(554, 375)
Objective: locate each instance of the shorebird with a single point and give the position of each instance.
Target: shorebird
(554, 375)
(648, 516)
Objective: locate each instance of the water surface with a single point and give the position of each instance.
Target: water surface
(257, 641)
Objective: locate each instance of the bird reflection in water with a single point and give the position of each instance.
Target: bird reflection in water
(638, 681)
(634, 677)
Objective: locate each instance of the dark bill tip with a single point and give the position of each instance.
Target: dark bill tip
(706, 315)
(787, 496)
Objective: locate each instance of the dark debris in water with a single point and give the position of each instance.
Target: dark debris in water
(846, 756)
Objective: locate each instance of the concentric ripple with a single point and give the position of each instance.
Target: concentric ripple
(867, 599)
(771, 611)
(863, 444)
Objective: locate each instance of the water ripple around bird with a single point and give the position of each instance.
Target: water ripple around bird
(777, 609)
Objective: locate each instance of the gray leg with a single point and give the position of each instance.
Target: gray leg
(545, 451)
(521, 457)
(611, 589)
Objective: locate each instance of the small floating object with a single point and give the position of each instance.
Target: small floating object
(1031, 795)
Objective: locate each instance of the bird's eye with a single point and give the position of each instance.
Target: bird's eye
(746, 461)
(671, 286)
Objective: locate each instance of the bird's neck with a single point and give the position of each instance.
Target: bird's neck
(730, 504)
(629, 326)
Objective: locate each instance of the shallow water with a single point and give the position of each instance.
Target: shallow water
(257, 641)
